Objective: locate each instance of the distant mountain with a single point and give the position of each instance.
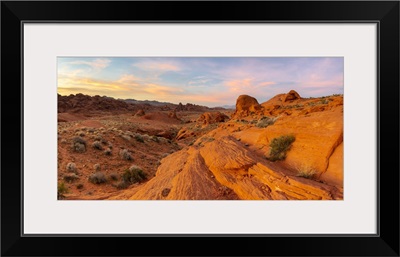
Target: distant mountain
(81, 103)
(229, 107)
(151, 102)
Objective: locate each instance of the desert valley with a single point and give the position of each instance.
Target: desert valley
(287, 148)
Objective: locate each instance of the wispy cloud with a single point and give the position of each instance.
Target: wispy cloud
(206, 81)
(96, 64)
(152, 65)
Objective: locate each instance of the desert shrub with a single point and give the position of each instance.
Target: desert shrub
(97, 167)
(80, 133)
(139, 138)
(97, 145)
(114, 176)
(79, 144)
(129, 133)
(279, 146)
(97, 178)
(71, 167)
(122, 185)
(265, 122)
(155, 139)
(107, 151)
(133, 174)
(306, 171)
(324, 101)
(79, 140)
(61, 190)
(79, 186)
(125, 155)
(70, 177)
(165, 192)
(146, 137)
(80, 148)
(126, 137)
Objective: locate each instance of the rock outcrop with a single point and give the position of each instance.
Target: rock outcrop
(81, 103)
(292, 95)
(212, 117)
(225, 169)
(245, 105)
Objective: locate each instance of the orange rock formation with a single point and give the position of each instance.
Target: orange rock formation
(229, 162)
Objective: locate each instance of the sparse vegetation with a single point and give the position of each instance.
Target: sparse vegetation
(61, 190)
(134, 174)
(122, 185)
(139, 138)
(126, 137)
(265, 122)
(324, 101)
(155, 139)
(79, 186)
(79, 140)
(125, 155)
(306, 171)
(207, 139)
(71, 167)
(279, 146)
(114, 176)
(97, 178)
(70, 177)
(165, 192)
(108, 151)
(97, 145)
(79, 144)
(97, 167)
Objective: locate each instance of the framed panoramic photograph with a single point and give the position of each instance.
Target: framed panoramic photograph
(274, 125)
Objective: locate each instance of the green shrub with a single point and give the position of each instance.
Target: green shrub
(122, 185)
(79, 144)
(324, 101)
(139, 138)
(114, 176)
(97, 167)
(265, 122)
(306, 171)
(97, 145)
(134, 174)
(70, 177)
(61, 190)
(279, 146)
(71, 167)
(97, 178)
(107, 151)
(79, 140)
(125, 155)
(155, 139)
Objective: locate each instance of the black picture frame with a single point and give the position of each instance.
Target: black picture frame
(383, 13)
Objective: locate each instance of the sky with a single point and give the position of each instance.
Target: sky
(209, 81)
